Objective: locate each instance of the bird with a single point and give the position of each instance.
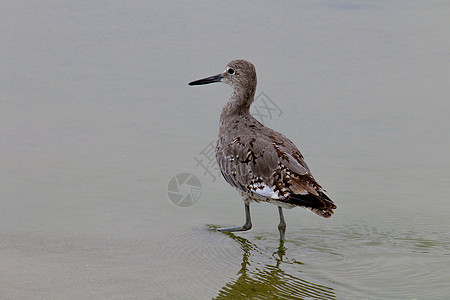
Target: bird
(262, 164)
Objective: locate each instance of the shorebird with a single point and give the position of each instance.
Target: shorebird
(262, 164)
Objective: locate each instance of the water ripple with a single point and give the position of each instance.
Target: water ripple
(265, 278)
(354, 261)
(377, 262)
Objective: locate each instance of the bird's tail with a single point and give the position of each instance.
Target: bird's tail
(319, 204)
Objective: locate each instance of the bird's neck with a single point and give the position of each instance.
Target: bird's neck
(238, 104)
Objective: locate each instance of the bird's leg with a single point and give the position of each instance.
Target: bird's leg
(282, 225)
(245, 227)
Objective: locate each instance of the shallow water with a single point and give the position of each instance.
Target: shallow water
(96, 119)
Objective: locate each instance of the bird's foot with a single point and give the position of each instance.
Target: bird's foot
(244, 227)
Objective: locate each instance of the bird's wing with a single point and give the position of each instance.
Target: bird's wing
(248, 162)
(270, 165)
(230, 157)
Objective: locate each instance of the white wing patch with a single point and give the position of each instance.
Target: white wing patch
(265, 191)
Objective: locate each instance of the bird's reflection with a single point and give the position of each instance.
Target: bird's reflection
(269, 281)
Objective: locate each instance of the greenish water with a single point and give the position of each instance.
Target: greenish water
(96, 119)
(269, 280)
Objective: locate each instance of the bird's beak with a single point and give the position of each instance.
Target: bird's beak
(212, 79)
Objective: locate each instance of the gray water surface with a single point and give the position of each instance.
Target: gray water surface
(96, 118)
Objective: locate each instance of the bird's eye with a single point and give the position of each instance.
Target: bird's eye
(230, 71)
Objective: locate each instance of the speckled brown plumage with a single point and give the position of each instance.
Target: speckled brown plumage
(262, 164)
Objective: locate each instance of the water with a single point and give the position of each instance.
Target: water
(96, 118)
